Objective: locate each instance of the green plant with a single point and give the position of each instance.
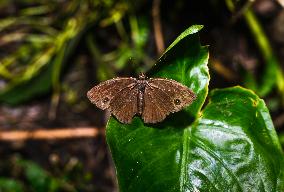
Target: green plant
(129, 54)
(18, 174)
(229, 145)
(272, 76)
(37, 40)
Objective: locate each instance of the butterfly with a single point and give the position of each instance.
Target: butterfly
(151, 98)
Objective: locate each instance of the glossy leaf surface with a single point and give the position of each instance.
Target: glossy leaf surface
(230, 145)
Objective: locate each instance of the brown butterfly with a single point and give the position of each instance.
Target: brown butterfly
(153, 99)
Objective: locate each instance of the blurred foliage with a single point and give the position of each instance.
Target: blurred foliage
(32, 62)
(130, 53)
(29, 176)
(272, 76)
(10, 185)
(37, 40)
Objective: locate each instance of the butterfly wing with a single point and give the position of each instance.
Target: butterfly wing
(124, 105)
(102, 94)
(164, 96)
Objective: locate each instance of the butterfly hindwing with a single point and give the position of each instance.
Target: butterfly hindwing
(124, 105)
(181, 96)
(102, 94)
(164, 96)
(157, 105)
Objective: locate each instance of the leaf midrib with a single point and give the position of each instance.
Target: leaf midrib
(185, 147)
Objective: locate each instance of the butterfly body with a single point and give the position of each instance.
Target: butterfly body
(153, 99)
(141, 83)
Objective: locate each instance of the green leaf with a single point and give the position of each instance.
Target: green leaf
(185, 61)
(235, 140)
(230, 145)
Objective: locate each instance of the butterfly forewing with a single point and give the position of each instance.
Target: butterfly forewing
(178, 94)
(102, 94)
(124, 105)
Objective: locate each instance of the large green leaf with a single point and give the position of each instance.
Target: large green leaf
(229, 146)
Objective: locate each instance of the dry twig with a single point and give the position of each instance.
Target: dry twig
(53, 134)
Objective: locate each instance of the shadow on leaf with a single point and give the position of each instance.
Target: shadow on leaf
(179, 120)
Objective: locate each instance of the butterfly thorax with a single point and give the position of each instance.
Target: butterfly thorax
(142, 76)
